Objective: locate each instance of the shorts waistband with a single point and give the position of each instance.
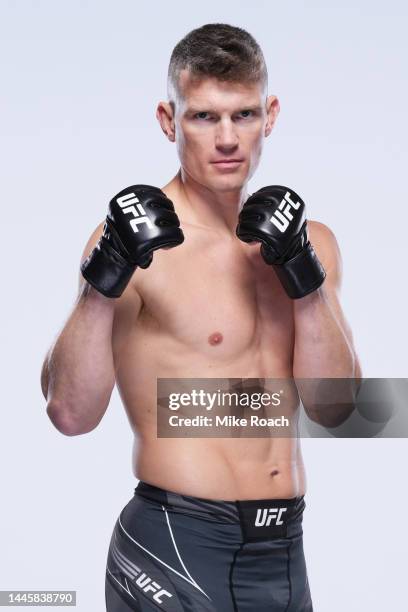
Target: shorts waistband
(256, 517)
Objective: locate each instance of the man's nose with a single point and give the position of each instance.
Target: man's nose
(226, 137)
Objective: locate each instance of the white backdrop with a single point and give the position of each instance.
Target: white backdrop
(80, 82)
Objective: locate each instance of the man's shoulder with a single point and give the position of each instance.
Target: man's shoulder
(322, 234)
(320, 230)
(325, 244)
(92, 240)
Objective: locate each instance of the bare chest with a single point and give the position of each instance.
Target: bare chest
(219, 301)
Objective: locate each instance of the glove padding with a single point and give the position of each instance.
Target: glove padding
(276, 217)
(140, 219)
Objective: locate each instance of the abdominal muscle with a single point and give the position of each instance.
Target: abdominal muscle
(213, 468)
(222, 469)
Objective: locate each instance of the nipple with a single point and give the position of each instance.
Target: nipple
(215, 338)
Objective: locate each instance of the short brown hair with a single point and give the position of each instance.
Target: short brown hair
(218, 50)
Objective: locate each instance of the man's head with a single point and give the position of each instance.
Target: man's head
(218, 108)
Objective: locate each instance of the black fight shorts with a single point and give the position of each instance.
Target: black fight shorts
(179, 553)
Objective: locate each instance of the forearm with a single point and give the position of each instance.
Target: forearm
(324, 350)
(322, 347)
(78, 373)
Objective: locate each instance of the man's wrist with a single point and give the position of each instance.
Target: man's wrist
(312, 301)
(89, 295)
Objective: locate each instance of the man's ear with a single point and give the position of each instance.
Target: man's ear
(165, 116)
(272, 112)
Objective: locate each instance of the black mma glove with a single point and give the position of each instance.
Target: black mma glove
(276, 217)
(140, 220)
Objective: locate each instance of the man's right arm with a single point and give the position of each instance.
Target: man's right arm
(78, 373)
(77, 377)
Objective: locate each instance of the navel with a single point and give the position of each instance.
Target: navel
(215, 338)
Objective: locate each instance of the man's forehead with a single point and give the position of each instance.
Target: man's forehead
(211, 92)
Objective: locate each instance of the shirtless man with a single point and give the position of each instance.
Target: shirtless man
(215, 524)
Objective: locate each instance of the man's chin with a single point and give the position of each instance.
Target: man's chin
(226, 184)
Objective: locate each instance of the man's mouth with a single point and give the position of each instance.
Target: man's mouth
(227, 163)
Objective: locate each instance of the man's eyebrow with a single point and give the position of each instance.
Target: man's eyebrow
(205, 108)
(208, 109)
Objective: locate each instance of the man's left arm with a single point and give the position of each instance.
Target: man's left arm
(323, 339)
(307, 262)
(324, 347)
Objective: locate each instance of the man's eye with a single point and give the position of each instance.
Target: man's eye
(202, 115)
(246, 113)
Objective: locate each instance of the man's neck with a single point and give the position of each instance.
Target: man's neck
(198, 205)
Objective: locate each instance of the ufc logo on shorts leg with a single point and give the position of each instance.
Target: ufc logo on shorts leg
(147, 584)
(264, 516)
(127, 204)
(283, 215)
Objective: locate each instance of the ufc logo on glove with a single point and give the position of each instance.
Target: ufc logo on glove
(129, 200)
(282, 216)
